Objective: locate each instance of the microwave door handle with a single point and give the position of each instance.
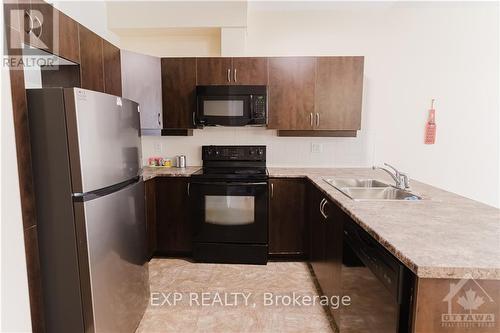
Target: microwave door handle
(251, 106)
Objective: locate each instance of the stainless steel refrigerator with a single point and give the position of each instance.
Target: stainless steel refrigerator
(86, 161)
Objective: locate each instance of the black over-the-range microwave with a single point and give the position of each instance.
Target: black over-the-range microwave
(231, 105)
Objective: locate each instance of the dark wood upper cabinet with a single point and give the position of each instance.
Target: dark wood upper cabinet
(40, 19)
(291, 93)
(69, 47)
(91, 60)
(249, 71)
(178, 77)
(214, 71)
(232, 71)
(112, 69)
(174, 232)
(307, 96)
(46, 28)
(338, 93)
(287, 236)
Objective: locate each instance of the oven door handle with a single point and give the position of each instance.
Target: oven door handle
(229, 184)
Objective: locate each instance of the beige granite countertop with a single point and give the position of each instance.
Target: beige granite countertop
(152, 172)
(443, 236)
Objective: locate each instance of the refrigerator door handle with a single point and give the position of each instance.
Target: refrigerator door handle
(82, 197)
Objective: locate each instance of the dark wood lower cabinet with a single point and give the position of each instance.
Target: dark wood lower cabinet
(326, 220)
(317, 230)
(150, 207)
(332, 284)
(287, 230)
(173, 230)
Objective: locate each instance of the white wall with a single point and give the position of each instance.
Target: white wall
(183, 42)
(14, 306)
(92, 14)
(176, 14)
(413, 52)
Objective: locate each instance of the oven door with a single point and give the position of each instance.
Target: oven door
(223, 110)
(229, 212)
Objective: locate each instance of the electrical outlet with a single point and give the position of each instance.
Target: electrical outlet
(316, 148)
(158, 148)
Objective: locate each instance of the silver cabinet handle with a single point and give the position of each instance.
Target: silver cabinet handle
(235, 79)
(188, 188)
(229, 75)
(311, 119)
(194, 119)
(322, 208)
(321, 204)
(317, 119)
(272, 190)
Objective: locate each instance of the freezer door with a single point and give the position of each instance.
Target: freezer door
(104, 139)
(116, 245)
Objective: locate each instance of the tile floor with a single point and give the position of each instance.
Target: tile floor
(201, 298)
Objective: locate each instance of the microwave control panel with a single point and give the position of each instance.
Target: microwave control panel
(259, 111)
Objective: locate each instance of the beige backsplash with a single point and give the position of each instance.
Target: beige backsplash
(281, 151)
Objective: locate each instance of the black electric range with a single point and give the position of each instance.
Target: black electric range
(229, 205)
(232, 173)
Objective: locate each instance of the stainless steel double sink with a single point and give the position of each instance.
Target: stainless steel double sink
(370, 189)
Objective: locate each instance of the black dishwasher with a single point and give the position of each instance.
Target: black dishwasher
(380, 286)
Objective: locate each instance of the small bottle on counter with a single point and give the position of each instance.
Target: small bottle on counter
(152, 161)
(156, 161)
(167, 162)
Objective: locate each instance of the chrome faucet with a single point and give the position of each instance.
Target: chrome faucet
(401, 179)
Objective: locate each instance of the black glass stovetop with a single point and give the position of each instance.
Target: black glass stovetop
(239, 173)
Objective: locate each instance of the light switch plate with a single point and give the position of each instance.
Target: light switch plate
(316, 148)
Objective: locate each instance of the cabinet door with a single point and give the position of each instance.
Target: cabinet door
(291, 93)
(317, 229)
(41, 18)
(286, 217)
(141, 82)
(150, 207)
(250, 71)
(339, 92)
(333, 252)
(174, 235)
(68, 38)
(214, 71)
(178, 77)
(112, 69)
(91, 61)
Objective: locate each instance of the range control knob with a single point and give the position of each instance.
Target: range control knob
(261, 152)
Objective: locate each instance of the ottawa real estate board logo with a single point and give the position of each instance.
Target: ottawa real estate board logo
(469, 306)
